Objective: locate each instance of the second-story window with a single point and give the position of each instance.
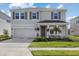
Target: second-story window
(17, 15)
(34, 15)
(55, 15)
(22, 15)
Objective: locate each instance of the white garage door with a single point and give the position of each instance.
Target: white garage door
(22, 32)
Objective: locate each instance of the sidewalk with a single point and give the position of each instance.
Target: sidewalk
(54, 48)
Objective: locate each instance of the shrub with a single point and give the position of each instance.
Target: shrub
(38, 39)
(45, 39)
(73, 38)
(5, 35)
(5, 32)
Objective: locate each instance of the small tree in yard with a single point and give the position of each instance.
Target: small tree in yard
(5, 32)
(5, 35)
(56, 30)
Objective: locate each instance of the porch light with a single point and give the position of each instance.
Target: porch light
(47, 29)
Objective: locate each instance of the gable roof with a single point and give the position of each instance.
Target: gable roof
(5, 16)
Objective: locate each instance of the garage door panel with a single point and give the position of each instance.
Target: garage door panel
(24, 32)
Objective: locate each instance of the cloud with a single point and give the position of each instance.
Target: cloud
(48, 6)
(71, 17)
(22, 5)
(61, 6)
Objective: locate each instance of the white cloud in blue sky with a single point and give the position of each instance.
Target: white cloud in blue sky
(22, 5)
(48, 6)
(61, 6)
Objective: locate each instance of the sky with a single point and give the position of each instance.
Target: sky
(72, 8)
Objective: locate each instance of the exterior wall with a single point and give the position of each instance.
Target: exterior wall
(62, 27)
(30, 24)
(4, 16)
(5, 23)
(74, 26)
(44, 13)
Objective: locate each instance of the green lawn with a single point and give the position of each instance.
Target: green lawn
(54, 44)
(55, 52)
(74, 38)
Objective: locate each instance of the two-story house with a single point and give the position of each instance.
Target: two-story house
(30, 22)
(74, 26)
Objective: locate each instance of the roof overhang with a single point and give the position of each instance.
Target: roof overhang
(52, 22)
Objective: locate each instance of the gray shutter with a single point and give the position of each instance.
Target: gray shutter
(59, 15)
(30, 15)
(25, 15)
(13, 15)
(51, 15)
(37, 15)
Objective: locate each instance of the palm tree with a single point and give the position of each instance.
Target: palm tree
(56, 30)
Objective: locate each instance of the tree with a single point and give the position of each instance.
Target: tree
(56, 30)
(5, 32)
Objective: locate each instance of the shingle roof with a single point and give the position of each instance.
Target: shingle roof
(51, 21)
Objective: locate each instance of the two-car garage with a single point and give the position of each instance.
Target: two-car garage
(23, 32)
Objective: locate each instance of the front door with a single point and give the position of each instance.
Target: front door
(43, 30)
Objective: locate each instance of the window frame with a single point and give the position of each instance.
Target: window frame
(56, 14)
(22, 15)
(17, 15)
(34, 14)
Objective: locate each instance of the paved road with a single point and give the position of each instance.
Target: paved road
(15, 47)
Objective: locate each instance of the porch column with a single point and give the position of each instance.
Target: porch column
(48, 32)
(66, 30)
(28, 15)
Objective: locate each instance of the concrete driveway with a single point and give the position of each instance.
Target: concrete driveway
(18, 40)
(15, 47)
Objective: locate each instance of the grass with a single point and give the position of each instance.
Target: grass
(55, 52)
(74, 38)
(54, 44)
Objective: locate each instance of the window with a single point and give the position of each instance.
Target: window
(17, 15)
(55, 15)
(34, 15)
(22, 15)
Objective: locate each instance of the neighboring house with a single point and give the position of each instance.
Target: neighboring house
(31, 22)
(4, 23)
(74, 26)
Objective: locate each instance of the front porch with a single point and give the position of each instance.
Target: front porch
(45, 29)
